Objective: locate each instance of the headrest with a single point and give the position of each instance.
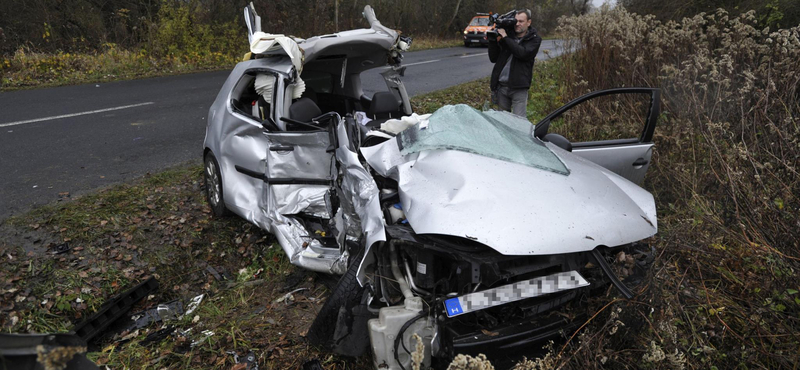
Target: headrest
(303, 110)
(383, 102)
(310, 93)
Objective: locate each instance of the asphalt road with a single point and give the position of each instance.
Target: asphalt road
(77, 139)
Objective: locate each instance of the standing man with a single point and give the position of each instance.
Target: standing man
(513, 57)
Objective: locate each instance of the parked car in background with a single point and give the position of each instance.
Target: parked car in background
(475, 33)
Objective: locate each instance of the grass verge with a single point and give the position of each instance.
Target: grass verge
(159, 226)
(544, 96)
(27, 69)
(428, 42)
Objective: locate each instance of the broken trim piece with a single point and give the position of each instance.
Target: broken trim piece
(601, 261)
(277, 181)
(114, 309)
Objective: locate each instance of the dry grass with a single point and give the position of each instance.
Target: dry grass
(27, 69)
(724, 291)
(424, 42)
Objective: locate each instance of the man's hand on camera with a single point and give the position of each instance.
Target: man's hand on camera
(501, 32)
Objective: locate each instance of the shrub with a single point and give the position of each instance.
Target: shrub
(725, 176)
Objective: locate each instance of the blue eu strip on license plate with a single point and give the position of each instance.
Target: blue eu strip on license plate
(514, 292)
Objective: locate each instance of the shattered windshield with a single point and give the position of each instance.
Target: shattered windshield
(494, 134)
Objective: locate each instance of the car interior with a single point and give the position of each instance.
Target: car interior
(332, 84)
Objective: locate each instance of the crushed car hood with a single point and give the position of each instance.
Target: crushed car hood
(514, 208)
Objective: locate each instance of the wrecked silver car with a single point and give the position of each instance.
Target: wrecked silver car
(457, 231)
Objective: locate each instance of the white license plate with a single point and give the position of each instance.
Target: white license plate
(514, 292)
(476, 40)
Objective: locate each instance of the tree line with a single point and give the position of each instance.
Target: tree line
(88, 25)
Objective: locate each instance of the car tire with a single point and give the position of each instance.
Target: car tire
(343, 309)
(466, 44)
(212, 179)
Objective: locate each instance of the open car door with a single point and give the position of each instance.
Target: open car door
(628, 156)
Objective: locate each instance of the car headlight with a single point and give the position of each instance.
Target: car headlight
(466, 32)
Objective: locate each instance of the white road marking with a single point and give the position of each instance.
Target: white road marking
(425, 62)
(73, 114)
(472, 55)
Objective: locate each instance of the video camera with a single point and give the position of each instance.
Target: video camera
(506, 21)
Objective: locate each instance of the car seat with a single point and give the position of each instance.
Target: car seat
(303, 110)
(381, 108)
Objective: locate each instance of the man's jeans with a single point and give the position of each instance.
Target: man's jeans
(513, 100)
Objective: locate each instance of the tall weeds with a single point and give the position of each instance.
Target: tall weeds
(725, 177)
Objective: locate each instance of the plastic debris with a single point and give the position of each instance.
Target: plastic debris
(214, 273)
(163, 312)
(206, 334)
(313, 365)
(158, 335)
(288, 298)
(193, 304)
(61, 248)
(248, 360)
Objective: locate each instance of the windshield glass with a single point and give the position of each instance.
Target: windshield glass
(494, 134)
(479, 21)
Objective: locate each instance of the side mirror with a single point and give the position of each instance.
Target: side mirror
(559, 141)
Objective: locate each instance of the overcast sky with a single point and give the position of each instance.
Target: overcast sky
(597, 3)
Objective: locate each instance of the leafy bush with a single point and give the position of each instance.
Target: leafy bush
(725, 177)
(181, 40)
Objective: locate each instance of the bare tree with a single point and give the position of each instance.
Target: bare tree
(455, 13)
(580, 7)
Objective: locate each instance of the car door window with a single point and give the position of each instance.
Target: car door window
(253, 99)
(613, 128)
(621, 117)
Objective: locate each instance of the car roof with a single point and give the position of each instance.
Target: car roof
(353, 43)
(369, 46)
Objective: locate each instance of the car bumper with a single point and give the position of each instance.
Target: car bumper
(476, 39)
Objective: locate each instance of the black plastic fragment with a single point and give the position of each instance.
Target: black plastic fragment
(249, 360)
(601, 261)
(61, 248)
(162, 312)
(157, 336)
(313, 365)
(114, 309)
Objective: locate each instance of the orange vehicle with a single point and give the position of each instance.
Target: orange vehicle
(475, 33)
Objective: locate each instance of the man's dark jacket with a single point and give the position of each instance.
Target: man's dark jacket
(519, 76)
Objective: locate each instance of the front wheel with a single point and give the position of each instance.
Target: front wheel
(213, 183)
(341, 324)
